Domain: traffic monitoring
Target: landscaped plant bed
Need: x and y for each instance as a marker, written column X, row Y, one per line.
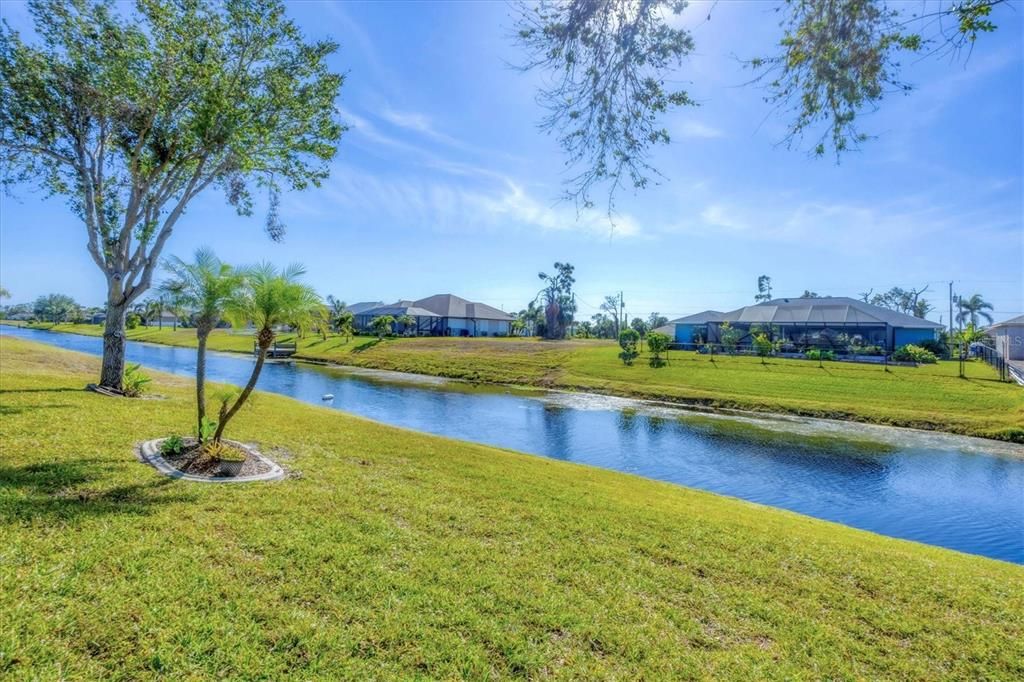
column 191, row 464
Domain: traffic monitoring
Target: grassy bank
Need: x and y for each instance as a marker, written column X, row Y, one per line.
column 929, row 396
column 392, row 554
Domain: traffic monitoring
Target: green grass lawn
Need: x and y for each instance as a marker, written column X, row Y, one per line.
column 392, row 554
column 929, row 396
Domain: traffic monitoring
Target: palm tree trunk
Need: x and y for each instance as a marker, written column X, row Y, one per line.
column 202, row 335
column 266, row 338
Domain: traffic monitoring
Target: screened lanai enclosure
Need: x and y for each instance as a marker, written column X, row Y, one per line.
column 800, row 324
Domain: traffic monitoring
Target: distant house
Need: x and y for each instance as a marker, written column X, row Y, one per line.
column 98, row 318
column 808, row 322
column 166, row 317
column 441, row 315
column 1008, row 337
column 360, row 308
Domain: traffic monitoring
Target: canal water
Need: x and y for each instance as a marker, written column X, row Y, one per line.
column 961, row 493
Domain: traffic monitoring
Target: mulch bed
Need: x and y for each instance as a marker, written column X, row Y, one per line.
column 192, row 461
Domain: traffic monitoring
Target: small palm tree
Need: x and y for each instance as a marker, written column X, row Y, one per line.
column 269, row 299
column 973, row 308
column 408, row 323
column 206, row 284
column 971, row 334
column 382, row 325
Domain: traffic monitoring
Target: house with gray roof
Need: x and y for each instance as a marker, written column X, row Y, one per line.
column 441, row 315
column 826, row 322
column 1008, row 337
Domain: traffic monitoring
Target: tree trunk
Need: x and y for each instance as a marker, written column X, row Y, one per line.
column 112, row 374
column 266, row 338
column 202, row 335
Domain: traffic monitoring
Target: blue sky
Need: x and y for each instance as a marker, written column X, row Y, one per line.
column 444, row 183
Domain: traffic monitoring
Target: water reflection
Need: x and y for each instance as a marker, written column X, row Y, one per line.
column 923, row 488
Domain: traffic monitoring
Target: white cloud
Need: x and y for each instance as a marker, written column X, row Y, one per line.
column 434, row 205
column 698, row 130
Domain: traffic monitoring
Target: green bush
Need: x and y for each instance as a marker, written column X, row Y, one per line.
column 172, row 445
column 132, row 321
column 940, row 349
column 912, row 353
column 134, row 382
column 657, row 343
column 819, row 354
column 628, row 340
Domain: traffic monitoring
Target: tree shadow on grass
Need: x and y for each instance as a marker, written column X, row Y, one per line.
column 78, row 488
column 366, row 346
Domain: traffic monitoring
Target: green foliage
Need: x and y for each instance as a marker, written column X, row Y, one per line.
column 207, row 427
column 973, row 309
column 640, row 326
column 132, row 321
column 729, row 336
column 763, row 345
column 560, row 304
column 131, row 113
column 172, row 445
column 382, row 325
column 819, row 354
column 914, row 353
column 55, row 308
column 205, row 285
column 657, row 343
column 970, row 334
column 609, row 61
column 135, row 380
column 656, row 320
column 629, row 340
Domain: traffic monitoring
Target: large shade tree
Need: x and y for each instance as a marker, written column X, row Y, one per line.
column 206, row 285
column 130, row 115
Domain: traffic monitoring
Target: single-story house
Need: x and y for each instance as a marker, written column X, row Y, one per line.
column 423, row 323
column 362, row 307
column 1008, row 337
column 827, row 322
column 165, row 318
column 442, row 315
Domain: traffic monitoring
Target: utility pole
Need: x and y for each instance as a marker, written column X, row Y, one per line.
column 951, row 311
column 622, row 313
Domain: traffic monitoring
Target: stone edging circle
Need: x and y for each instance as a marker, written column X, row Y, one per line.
column 149, row 452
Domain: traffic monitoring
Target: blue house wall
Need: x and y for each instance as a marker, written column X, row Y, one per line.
column 684, row 333
column 902, row 337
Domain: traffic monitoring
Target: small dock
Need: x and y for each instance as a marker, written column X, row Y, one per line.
column 278, row 350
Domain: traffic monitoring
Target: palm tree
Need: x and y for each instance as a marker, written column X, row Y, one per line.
column 269, row 299
column 382, row 325
column 408, row 323
column 205, row 284
column 153, row 308
column 971, row 334
column 973, row 308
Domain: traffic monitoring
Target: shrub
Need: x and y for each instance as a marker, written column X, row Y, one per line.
column 134, row 382
column 939, row 348
column 132, row 321
column 657, row 343
column 207, row 428
column 223, row 452
column 628, row 340
column 172, row 445
column 912, row 353
column 819, row 354
column 763, row 345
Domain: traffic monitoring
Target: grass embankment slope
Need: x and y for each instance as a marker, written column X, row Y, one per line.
column 393, row 554
column 928, row 397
